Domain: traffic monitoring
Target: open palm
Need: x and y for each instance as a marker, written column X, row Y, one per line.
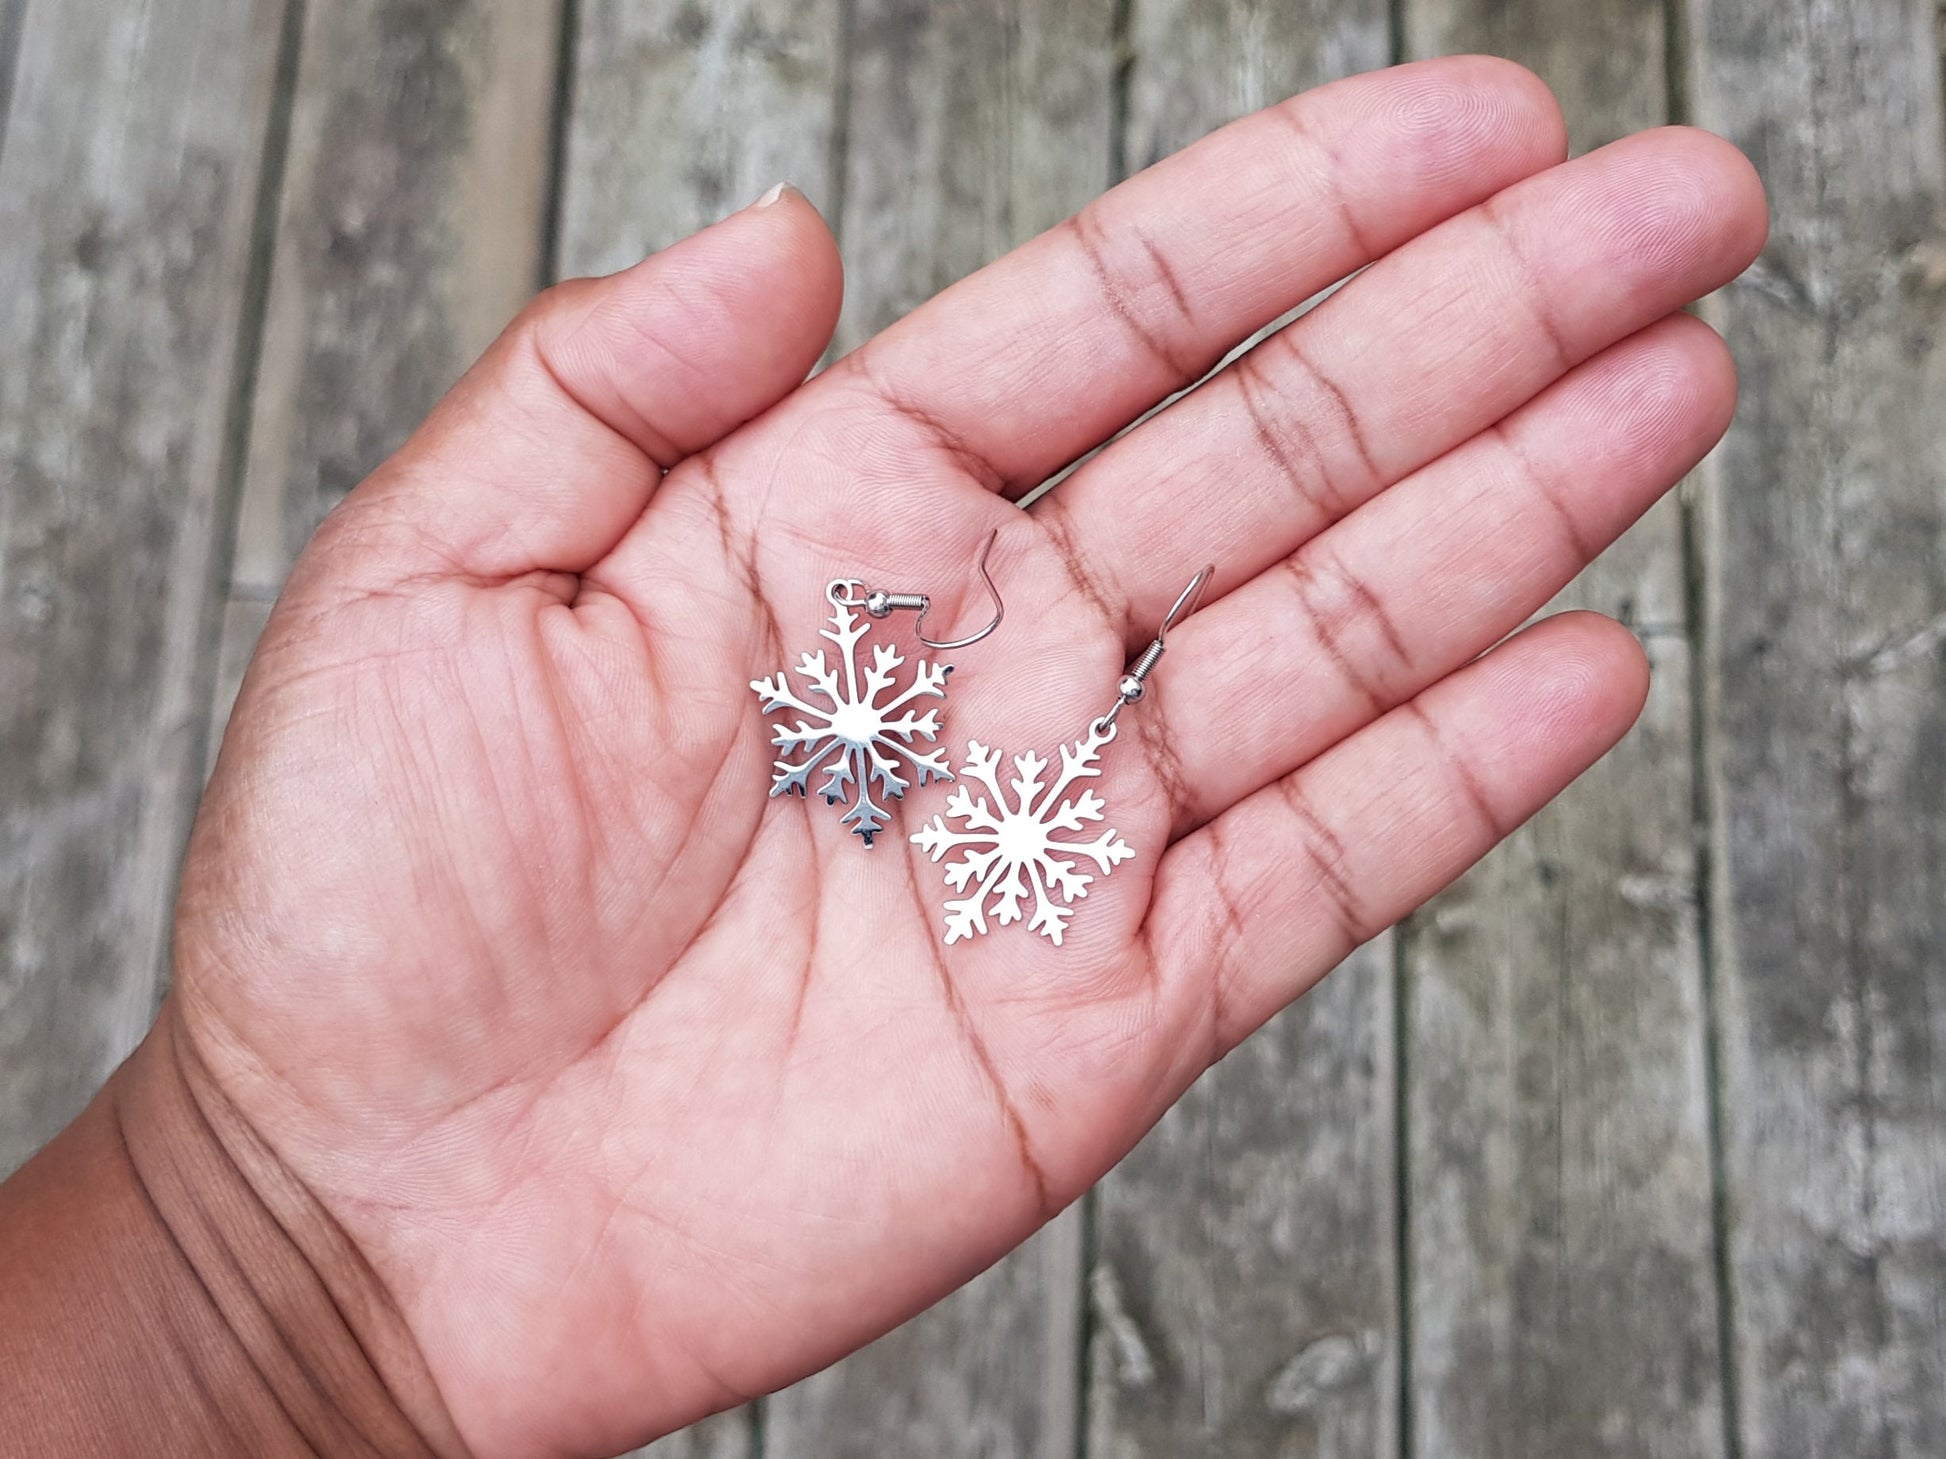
column 642, row 1091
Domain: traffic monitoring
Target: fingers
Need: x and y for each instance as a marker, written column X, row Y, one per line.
column 1251, row 910
column 1032, row 361
column 1427, row 347
column 1446, row 563
column 541, row 458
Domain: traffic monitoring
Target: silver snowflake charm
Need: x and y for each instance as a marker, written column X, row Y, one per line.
column 1012, row 851
column 856, row 740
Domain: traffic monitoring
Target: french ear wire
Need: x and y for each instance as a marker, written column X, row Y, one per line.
column 882, row 604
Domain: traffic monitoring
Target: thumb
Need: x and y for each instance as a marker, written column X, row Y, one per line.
column 551, row 446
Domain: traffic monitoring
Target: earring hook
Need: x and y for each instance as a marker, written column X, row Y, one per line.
column 879, row 603
column 999, row 606
column 1135, row 681
column 1187, row 602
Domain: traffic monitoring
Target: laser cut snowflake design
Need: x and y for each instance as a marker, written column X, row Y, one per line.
column 856, row 741
column 1012, row 850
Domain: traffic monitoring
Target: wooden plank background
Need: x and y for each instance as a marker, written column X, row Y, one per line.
column 1634, row 1143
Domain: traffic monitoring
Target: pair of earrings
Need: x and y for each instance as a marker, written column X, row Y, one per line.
column 1017, row 863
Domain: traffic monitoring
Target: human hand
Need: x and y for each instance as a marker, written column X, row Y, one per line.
column 641, row 1092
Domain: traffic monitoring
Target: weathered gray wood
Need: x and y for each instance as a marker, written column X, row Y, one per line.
column 1562, row 1290
column 1558, row 1191
column 128, row 195
column 13, row 15
column 1195, row 64
column 730, row 1435
column 1243, row 1291
column 683, row 112
column 409, row 230
column 970, row 127
column 1827, row 600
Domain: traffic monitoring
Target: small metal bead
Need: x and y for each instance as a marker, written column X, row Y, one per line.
column 1131, row 688
column 878, row 603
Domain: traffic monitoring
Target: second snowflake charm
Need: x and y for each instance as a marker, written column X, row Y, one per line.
column 1011, row 849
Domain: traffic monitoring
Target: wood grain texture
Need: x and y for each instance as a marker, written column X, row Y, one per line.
column 1826, row 582
column 972, row 126
column 969, row 127
column 13, row 16
column 1193, row 65
column 410, row 229
column 1558, row 1191
column 129, row 192
column 1243, row 1290
column 686, row 111
column 730, row 1435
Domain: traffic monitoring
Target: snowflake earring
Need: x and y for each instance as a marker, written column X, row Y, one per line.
column 1011, row 848
column 852, row 737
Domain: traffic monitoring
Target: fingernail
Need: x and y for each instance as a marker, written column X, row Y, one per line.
column 773, row 195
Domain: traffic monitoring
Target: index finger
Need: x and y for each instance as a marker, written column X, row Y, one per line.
column 1039, row 357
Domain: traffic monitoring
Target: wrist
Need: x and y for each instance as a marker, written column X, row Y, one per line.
column 170, row 1288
